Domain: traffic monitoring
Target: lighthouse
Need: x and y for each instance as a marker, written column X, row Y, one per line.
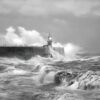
column 48, row 46
column 49, row 42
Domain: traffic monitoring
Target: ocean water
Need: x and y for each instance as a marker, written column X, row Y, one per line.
column 34, row 79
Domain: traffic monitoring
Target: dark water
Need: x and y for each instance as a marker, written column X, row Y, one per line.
column 25, row 79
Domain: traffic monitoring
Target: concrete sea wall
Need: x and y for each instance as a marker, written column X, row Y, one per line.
column 23, row 52
column 28, row 52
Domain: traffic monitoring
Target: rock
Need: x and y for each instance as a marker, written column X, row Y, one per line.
column 63, row 76
column 89, row 81
column 59, row 77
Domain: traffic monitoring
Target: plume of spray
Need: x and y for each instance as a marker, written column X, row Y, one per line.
column 56, row 55
column 31, row 37
column 72, row 51
column 23, row 37
column 12, row 38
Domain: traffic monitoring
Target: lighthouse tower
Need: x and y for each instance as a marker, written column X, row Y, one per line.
column 48, row 46
column 49, row 42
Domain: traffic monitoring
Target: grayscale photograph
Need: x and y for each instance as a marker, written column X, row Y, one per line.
column 49, row 49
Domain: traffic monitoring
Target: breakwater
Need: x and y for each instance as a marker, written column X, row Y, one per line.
column 24, row 52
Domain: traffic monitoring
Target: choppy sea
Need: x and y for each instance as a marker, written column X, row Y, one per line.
column 33, row 79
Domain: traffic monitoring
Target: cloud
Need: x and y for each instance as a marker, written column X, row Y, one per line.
column 61, row 21
column 97, row 12
column 51, row 7
column 78, row 7
column 23, row 37
column 4, row 10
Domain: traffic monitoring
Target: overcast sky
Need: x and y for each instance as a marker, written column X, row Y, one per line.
column 74, row 21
